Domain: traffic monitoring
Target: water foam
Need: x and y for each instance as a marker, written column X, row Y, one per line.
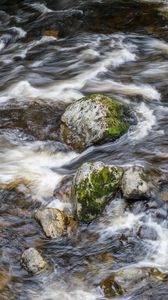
column 20, row 32
column 158, row 255
column 146, row 120
column 42, row 8
column 34, row 168
column 56, row 291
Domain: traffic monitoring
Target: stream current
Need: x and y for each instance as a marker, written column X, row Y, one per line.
column 51, row 54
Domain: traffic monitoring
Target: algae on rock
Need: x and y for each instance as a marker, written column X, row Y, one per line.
column 93, row 186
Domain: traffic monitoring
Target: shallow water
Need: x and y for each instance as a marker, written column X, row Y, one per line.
column 50, row 55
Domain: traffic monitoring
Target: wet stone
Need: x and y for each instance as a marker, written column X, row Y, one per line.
column 37, row 118
column 146, row 232
column 32, row 261
column 55, row 223
column 161, row 213
column 135, row 184
column 123, row 281
column 110, row 287
column 137, row 207
column 63, row 191
column 5, row 277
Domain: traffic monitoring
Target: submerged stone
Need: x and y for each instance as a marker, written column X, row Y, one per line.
column 5, row 277
column 110, row 287
column 32, row 261
column 93, row 186
column 135, row 183
column 124, row 281
column 130, row 280
column 55, row 223
column 93, row 119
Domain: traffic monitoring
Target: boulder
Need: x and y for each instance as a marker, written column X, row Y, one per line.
column 93, row 119
column 93, row 186
column 135, row 183
column 32, row 261
column 55, row 223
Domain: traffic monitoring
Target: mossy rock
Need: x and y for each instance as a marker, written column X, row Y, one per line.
column 93, row 119
column 93, row 186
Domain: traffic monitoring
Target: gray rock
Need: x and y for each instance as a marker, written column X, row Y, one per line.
column 93, row 119
column 93, row 186
column 146, row 232
column 55, row 222
column 32, row 261
column 135, row 183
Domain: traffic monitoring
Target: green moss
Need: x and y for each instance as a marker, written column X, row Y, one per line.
column 116, row 126
column 95, row 191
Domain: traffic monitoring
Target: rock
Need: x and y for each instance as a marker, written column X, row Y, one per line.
column 110, row 287
column 130, row 279
column 93, row 119
column 158, row 274
column 125, row 280
column 93, row 186
column 135, row 183
column 5, row 277
column 71, row 225
column 63, row 191
column 55, row 222
column 37, row 118
column 146, row 232
column 32, row 261
column 52, row 33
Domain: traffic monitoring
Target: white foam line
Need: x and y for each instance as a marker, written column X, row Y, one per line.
column 68, row 89
column 146, row 120
column 42, row 8
column 2, row 45
column 21, row 33
column 147, row 91
column 34, row 167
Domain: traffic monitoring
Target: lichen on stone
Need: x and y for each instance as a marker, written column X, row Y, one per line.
column 93, row 186
column 93, row 119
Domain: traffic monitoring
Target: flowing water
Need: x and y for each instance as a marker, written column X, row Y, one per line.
column 52, row 53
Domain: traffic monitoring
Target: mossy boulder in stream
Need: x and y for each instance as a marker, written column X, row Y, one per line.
column 93, row 186
column 93, row 119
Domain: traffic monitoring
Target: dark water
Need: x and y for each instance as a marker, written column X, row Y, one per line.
column 52, row 53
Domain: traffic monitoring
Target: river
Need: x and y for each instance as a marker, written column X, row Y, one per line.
column 51, row 54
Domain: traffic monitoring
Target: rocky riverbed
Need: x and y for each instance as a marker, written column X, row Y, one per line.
column 83, row 150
